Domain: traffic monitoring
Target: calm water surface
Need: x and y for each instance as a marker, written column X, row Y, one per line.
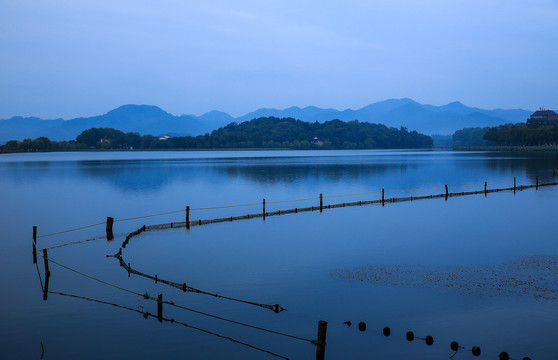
column 288, row 260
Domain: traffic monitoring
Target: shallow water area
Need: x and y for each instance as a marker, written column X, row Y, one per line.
column 287, row 260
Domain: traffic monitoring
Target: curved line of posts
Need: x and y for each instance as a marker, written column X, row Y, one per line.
column 147, row 315
column 185, row 288
column 429, row 340
column 188, row 223
column 312, row 208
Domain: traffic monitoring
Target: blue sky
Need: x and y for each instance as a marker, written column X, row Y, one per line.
column 69, row 58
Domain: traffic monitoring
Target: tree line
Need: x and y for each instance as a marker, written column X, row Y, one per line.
column 266, row 132
column 507, row 135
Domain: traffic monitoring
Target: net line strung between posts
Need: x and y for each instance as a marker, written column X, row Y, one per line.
column 171, row 303
column 146, row 314
column 275, row 308
column 270, row 202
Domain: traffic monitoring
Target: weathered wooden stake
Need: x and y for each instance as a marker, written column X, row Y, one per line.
column 45, row 289
column 514, row 185
column 263, row 209
column 321, row 202
column 45, row 258
column 383, row 193
column 447, row 193
column 160, row 307
column 110, row 235
column 155, row 278
column 187, row 217
column 321, row 341
column 34, row 244
column 537, row 186
column 485, row 185
column 129, row 269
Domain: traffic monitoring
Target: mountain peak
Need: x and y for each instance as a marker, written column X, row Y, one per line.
column 133, row 109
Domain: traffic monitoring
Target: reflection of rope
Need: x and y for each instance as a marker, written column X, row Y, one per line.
column 146, row 315
column 147, row 296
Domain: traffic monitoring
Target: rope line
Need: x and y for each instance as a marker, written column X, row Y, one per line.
column 147, row 296
column 364, row 193
column 148, row 216
column 225, row 206
column 276, row 308
column 147, row 314
column 274, row 202
column 67, row 231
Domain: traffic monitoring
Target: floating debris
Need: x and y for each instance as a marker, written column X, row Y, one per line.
column 528, row 276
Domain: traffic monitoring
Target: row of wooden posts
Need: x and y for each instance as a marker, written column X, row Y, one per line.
column 264, row 213
column 321, row 207
column 322, row 325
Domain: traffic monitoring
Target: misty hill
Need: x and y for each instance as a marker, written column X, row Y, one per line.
column 427, row 119
column 145, row 119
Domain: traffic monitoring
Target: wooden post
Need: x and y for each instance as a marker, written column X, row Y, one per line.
column 383, row 192
column 485, row 184
column 514, row 185
column 321, row 341
column 321, row 202
column 447, row 193
column 537, row 186
column 187, row 217
column 129, row 269
column 263, row 209
column 160, row 307
column 34, row 244
column 45, row 289
column 45, row 258
column 110, row 235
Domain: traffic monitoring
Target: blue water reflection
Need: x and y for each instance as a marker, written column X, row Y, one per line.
column 287, row 260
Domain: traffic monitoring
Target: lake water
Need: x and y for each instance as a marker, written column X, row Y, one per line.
column 478, row 270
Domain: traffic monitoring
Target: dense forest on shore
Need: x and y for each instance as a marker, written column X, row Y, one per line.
column 516, row 135
column 267, row 132
column 522, row 135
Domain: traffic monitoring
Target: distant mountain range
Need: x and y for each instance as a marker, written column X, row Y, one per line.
column 152, row 120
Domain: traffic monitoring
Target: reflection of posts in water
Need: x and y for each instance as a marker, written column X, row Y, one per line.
column 185, row 288
column 110, row 235
column 147, row 315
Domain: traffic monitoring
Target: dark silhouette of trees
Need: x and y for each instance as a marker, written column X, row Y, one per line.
column 266, row 132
